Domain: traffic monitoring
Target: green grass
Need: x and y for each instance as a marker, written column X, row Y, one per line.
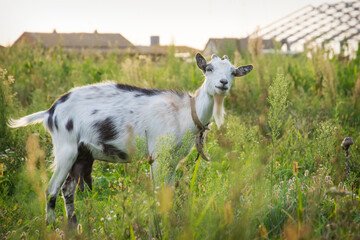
column 289, row 109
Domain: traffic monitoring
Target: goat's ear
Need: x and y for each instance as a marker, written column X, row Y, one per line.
column 242, row 71
column 201, row 62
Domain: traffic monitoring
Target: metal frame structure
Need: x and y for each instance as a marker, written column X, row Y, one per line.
column 323, row 24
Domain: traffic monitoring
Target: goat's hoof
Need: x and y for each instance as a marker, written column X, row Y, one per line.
column 72, row 222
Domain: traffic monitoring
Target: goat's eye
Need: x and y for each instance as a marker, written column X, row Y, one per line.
column 209, row 69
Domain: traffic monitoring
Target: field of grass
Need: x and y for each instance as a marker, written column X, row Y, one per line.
column 277, row 168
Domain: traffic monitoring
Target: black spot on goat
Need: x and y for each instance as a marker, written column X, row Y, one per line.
column 94, row 111
column 107, row 129
column 55, row 122
column 51, row 110
column 69, row 125
column 141, row 91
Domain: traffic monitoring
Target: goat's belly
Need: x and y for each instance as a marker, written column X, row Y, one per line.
column 110, row 154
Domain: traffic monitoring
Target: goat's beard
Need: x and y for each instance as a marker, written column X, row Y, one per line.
column 218, row 111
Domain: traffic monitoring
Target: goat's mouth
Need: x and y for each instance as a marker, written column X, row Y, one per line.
column 222, row 88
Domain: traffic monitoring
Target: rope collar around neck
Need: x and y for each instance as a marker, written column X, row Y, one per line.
column 200, row 136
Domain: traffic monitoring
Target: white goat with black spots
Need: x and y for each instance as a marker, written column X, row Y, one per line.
column 99, row 121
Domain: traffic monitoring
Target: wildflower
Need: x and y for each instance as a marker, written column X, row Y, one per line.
column 347, row 143
column 108, row 217
column 295, row 168
column 306, row 173
column 94, row 230
column 101, row 219
column 328, row 180
column 11, row 79
column 79, row 229
column 340, row 185
column 111, row 211
column 263, row 232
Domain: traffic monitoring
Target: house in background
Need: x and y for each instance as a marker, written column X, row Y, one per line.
column 101, row 42
column 222, row 45
column 77, row 42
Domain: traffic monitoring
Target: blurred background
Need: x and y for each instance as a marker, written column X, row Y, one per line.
column 182, row 23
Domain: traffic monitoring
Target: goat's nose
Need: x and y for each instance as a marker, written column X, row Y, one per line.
column 224, row 81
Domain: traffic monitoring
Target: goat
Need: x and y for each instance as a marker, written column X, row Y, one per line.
column 98, row 121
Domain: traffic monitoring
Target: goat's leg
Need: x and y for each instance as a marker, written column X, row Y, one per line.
column 68, row 191
column 64, row 158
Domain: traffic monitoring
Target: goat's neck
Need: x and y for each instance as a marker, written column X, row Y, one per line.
column 204, row 105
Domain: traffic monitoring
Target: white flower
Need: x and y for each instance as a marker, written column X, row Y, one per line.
column 102, row 219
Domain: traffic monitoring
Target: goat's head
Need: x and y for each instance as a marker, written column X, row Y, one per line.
column 219, row 73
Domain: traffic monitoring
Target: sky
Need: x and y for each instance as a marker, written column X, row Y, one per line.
column 181, row 22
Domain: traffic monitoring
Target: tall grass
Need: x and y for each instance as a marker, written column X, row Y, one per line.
column 276, row 171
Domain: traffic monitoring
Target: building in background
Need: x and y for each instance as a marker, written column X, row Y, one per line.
column 333, row 26
column 77, row 42
column 101, row 42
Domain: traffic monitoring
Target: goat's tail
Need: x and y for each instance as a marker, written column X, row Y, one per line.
column 27, row 120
